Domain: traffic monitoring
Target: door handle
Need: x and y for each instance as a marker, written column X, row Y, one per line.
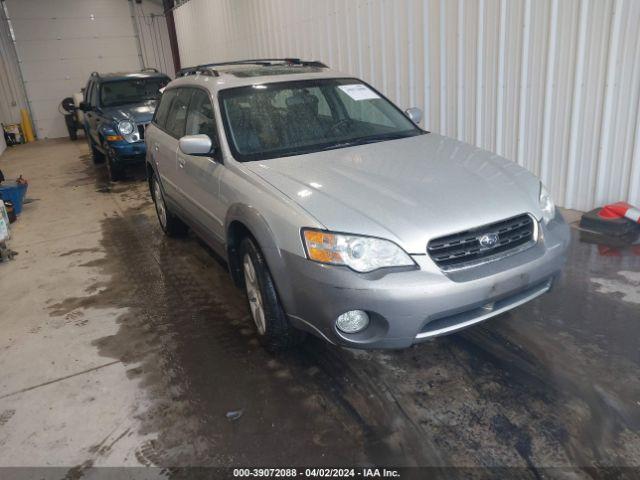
column 181, row 162
column 156, row 147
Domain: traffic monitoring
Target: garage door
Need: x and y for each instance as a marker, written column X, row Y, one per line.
column 60, row 43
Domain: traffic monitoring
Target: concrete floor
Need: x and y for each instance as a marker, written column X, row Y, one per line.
column 120, row 347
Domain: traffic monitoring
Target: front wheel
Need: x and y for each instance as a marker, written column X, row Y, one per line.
column 274, row 330
column 96, row 155
column 116, row 172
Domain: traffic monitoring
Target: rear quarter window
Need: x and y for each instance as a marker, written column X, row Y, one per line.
column 177, row 116
column 160, row 117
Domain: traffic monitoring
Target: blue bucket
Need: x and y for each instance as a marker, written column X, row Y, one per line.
column 14, row 193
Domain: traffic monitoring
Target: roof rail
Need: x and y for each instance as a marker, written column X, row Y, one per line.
column 199, row 70
column 150, row 69
column 208, row 68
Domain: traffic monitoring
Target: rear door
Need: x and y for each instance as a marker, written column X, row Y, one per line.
column 166, row 140
column 158, row 143
column 199, row 176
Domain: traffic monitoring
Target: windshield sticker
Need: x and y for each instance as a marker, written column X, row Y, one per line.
column 359, row 92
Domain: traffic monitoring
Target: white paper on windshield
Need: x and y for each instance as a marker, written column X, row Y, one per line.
column 359, row 92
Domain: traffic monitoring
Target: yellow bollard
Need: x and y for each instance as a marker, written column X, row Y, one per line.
column 26, row 126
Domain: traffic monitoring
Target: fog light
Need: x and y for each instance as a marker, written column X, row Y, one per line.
column 353, row 321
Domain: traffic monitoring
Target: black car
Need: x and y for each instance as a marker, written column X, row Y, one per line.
column 117, row 108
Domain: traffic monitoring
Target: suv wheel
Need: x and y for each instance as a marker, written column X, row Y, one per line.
column 116, row 172
column 96, row 155
column 171, row 225
column 274, row 330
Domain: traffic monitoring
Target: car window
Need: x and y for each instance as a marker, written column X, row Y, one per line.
column 87, row 92
column 121, row 92
column 284, row 98
column 200, row 119
column 177, row 117
column 299, row 117
column 370, row 112
column 162, row 111
column 94, row 94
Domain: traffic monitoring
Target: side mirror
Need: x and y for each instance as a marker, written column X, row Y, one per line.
column 84, row 106
column 414, row 114
column 198, row 145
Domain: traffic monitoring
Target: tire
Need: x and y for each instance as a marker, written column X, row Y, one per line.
column 171, row 225
column 116, row 173
column 71, row 126
column 274, row 330
column 96, row 155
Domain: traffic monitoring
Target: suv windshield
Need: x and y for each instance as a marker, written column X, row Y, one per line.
column 121, row 92
column 294, row 118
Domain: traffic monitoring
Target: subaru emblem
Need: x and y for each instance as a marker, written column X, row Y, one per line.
column 488, row 240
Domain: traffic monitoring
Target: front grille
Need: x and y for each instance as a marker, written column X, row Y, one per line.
column 141, row 129
column 486, row 243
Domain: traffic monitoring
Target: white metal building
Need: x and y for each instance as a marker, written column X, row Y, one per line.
column 59, row 43
column 551, row 84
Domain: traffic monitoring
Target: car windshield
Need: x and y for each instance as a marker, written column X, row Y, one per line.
column 294, row 118
column 121, row 92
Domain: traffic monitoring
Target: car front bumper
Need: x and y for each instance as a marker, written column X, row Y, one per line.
column 409, row 306
column 124, row 153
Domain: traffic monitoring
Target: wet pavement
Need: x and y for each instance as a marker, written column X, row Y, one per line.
column 552, row 387
column 554, row 383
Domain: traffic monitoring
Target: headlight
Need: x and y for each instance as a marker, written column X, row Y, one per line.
column 546, row 204
column 125, row 127
column 362, row 254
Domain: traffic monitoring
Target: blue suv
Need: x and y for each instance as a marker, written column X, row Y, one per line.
column 117, row 108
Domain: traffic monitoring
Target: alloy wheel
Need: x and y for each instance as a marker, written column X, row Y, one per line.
column 254, row 295
column 161, row 209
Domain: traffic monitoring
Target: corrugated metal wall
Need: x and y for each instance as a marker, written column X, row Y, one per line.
column 59, row 43
column 551, row 84
column 151, row 26
column 12, row 93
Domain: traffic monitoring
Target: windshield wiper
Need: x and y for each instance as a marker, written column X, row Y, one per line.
column 335, row 146
column 346, row 144
column 367, row 140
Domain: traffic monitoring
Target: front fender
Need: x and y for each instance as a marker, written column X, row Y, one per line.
column 261, row 231
column 107, row 128
column 254, row 221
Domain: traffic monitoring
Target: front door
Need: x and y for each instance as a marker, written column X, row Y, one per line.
column 199, row 176
column 92, row 116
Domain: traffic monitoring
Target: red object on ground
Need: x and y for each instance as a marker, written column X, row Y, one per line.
column 620, row 210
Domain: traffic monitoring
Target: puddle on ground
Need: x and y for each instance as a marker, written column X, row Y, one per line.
column 552, row 384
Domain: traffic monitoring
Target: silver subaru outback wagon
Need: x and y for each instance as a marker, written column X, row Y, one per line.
column 338, row 214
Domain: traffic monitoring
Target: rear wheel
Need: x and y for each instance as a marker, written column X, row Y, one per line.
column 171, row 225
column 274, row 330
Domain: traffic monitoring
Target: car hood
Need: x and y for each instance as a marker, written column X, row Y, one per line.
column 409, row 190
column 141, row 112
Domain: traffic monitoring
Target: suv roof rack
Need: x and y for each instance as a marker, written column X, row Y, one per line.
column 208, row 68
column 150, row 69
